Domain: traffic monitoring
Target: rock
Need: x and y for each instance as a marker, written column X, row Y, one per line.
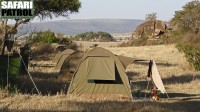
column 147, row 29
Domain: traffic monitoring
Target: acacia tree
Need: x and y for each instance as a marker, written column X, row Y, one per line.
column 43, row 9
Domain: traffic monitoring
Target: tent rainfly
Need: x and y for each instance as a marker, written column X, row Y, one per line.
column 61, row 57
column 67, row 62
column 101, row 74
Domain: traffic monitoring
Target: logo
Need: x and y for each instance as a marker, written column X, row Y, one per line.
column 18, row 9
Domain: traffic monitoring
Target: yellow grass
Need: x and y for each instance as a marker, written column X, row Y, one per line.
column 181, row 82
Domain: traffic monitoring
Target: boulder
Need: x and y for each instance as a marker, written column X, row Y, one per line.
column 152, row 29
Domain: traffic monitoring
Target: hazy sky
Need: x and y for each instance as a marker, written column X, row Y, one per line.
column 128, row 9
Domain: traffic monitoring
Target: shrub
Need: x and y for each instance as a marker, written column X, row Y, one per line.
column 73, row 46
column 41, row 51
column 190, row 46
column 187, row 24
column 49, row 37
column 64, row 41
column 95, row 36
column 43, row 37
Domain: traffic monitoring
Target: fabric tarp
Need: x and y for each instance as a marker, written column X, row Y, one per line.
column 100, row 68
column 157, row 79
column 125, row 60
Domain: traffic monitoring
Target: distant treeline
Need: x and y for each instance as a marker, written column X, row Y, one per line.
column 94, row 36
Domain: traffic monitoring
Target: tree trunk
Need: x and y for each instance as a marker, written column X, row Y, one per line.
column 5, row 35
column 154, row 28
column 4, row 44
column 3, row 48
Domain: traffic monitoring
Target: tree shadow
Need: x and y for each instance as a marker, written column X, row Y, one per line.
column 43, row 75
column 142, row 89
column 185, row 78
column 122, row 106
column 132, row 75
column 47, row 84
column 146, row 63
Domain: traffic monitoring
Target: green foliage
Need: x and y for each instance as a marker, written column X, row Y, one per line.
column 188, row 19
column 187, row 22
column 44, row 37
column 48, row 37
column 187, row 34
column 95, row 36
column 65, row 41
column 50, row 8
column 190, row 46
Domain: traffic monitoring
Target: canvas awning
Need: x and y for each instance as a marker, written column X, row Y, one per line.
column 157, row 79
column 125, row 60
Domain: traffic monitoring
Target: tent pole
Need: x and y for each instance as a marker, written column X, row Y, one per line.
column 29, row 75
column 167, row 95
column 8, row 69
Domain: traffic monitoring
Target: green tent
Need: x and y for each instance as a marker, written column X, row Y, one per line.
column 67, row 62
column 101, row 74
column 70, row 64
column 61, row 57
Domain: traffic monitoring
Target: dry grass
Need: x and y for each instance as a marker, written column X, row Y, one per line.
column 182, row 84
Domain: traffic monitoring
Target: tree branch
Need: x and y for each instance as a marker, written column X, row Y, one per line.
column 18, row 22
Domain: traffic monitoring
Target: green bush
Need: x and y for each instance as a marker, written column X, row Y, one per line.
column 43, row 37
column 187, row 25
column 190, row 46
column 94, row 36
column 65, row 41
column 49, row 37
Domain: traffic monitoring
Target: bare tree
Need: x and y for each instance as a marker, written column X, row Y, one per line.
column 152, row 17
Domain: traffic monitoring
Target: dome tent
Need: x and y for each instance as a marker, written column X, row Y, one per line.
column 100, row 73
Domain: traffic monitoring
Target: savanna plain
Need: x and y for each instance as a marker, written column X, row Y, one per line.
column 180, row 80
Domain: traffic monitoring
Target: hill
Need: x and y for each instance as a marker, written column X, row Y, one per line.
column 72, row 27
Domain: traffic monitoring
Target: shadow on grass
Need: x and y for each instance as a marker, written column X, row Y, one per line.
column 122, row 106
column 43, row 75
column 139, row 90
column 185, row 78
column 47, row 83
column 132, row 75
column 146, row 63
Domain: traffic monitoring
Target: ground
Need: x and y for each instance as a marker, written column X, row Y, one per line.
column 181, row 82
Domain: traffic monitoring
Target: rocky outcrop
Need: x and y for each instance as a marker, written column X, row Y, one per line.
column 151, row 29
